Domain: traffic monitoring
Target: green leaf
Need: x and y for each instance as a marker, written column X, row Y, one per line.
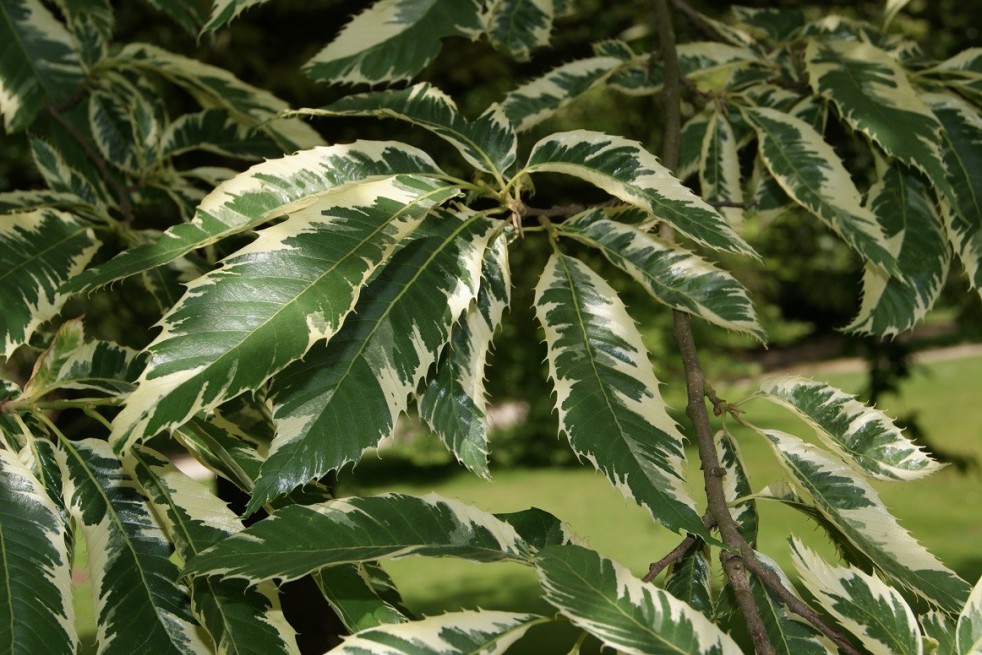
column 223, row 453
column 453, row 402
column 215, row 87
column 241, row 619
column 62, row 177
column 968, row 630
column 875, row 613
column 916, row 235
column 611, row 603
column 37, row 62
column 214, row 130
column 479, row 632
column 189, row 15
column 670, row 273
column 537, row 100
column 394, row 40
column 961, row 142
column 124, row 130
column 789, row 635
column 487, row 143
column 811, row 173
column 71, row 362
column 874, row 97
column 690, row 145
column 539, row 528
column 851, row 504
column 607, row 395
column 299, row 539
column 518, row 26
column 863, row 434
column 378, row 359
column 253, row 197
column 40, row 250
column 35, row 567
column 91, row 24
column 357, row 594
column 690, row 578
column 940, row 627
column 224, row 12
column 624, row 169
column 779, row 24
column 736, row 486
column 293, row 286
column 719, row 170
column 139, row 606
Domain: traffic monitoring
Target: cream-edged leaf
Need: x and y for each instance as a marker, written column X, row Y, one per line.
column 863, row 434
column 394, row 40
column 607, row 395
column 940, row 628
column 670, row 273
column 850, row 503
column 453, row 402
column 607, row 600
column 789, row 633
column 64, row 177
column 292, row 287
column 861, row 603
column 361, row 594
column 216, row 131
column 224, row 12
column 624, row 169
column 719, row 169
column 225, row 454
column 690, row 144
column 35, row 567
column 690, row 578
column 736, row 486
column 519, row 26
column 250, row 198
column 811, row 173
column 299, row 539
column 968, row 630
column 378, row 359
column 40, row 251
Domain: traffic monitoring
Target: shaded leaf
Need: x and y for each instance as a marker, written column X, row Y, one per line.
column 690, row 579
column 214, row 130
column 519, row 26
column 91, row 24
column 789, row 634
column 736, row 486
column 357, row 594
column 224, row 12
column 539, row 528
column 719, row 170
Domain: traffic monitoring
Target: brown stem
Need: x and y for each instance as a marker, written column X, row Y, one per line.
column 674, row 555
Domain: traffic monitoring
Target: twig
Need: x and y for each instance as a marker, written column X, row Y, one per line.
column 675, row 554
column 746, row 204
column 697, row 20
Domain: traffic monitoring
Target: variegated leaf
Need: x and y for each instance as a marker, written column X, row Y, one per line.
column 789, row 633
column 968, row 630
column 378, row 359
column 190, row 16
column 940, row 628
column 299, row 539
column 62, row 177
column 891, row 9
column 779, row 24
column 35, row 567
column 812, row 174
column 874, row 97
column 225, row 454
column 224, row 12
column 624, row 169
column 851, row 504
column 265, row 190
column 453, row 402
column 37, row 62
column 71, row 362
column 393, row 40
column 40, row 250
column 293, row 287
column 487, row 143
column 216, row 87
column 124, row 129
column 611, row 603
column 863, row 434
column 91, row 24
column 862, row 604
column 15, row 435
column 360, row 595
column 22, row 201
column 39, row 456
column 690, row 145
column 690, row 578
column 241, row 619
column 518, row 26
column 736, row 486
column 537, row 100
column 670, row 273
column 539, row 528
column 473, row 632
column 139, row 606
column 214, row 130
column 962, row 145
column 607, row 395
column 719, row 169
column 916, row 235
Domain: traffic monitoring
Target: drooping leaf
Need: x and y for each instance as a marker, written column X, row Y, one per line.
column 538, row 99
column 40, row 458
column 91, row 24
column 453, row 402
column 690, row 144
column 940, row 627
column 224, row 12
column 607, row 395
column 225, row 454
column 875, row 613
column 293, row 286
column 812, row 174
column 250, row 198
column 35, row 567
column 719, row 170
column 299, row 539
column 851, row 504
column 378, row 359
column 690, row 579
column 214, row 130
column 40, row 251
column 393, row 40
column 480, row 632
column 519, row 26
column 123, row 129
column 37, row 62
column 917, row 238
column 134, row 581
column 961, row 73
column 241, row 619
column 357, row 594
column 670, row 273
column 608, row 601
column 188, row 15
column 624, row 169
column 861, row 433
column 736, row 486
column 539, row 528
column 62, row 177
column 962, row 147
column 488, row 143
column 968, row 630
column 874, row 97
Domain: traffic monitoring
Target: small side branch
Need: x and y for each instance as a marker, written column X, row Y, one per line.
column 673, row 556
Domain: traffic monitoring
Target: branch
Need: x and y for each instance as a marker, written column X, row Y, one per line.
column 674, row 555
